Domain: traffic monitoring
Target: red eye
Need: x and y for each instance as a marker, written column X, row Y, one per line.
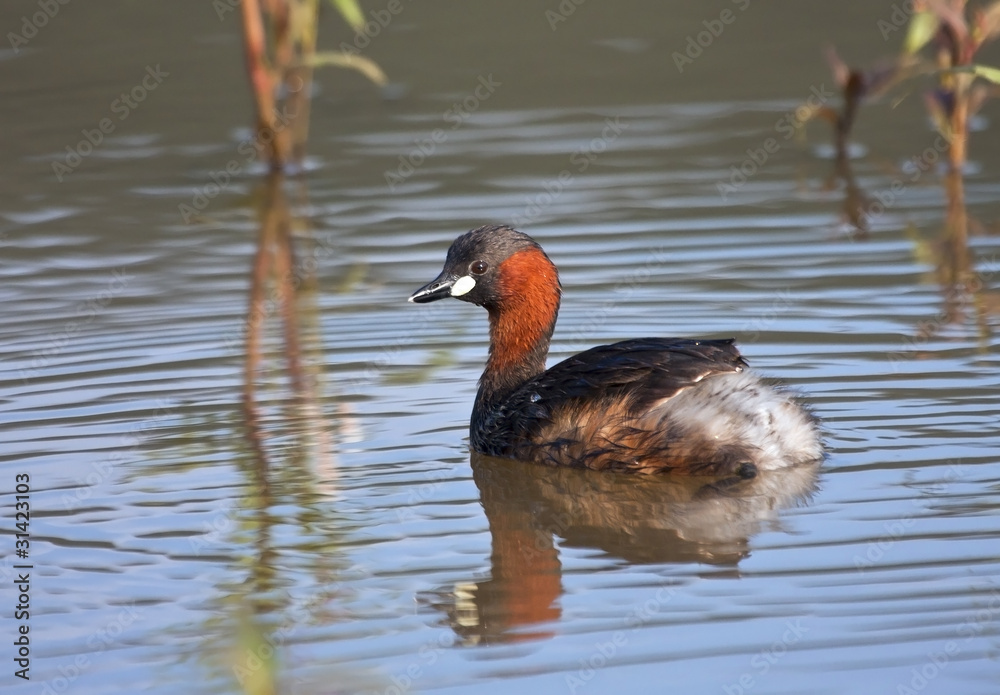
column 479, row 267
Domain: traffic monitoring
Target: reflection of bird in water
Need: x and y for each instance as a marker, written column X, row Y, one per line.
column 646, row 519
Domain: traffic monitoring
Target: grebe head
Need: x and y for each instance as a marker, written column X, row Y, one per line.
column 498, row 268
column 506, row 272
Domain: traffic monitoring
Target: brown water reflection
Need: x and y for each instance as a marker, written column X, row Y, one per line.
column 963, row 278
column 966, row 296
column 533, row 510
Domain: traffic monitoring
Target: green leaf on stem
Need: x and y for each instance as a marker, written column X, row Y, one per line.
column 923, row 26
column 343, row 59
column 987, row 72
column 350, row 10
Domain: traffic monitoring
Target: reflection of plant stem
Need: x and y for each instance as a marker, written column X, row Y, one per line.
column 273, row 259
column 256, row 314
column 262, row 679
column 963, row 288
column 275, row 263
column 856, row 202
column 955, row 268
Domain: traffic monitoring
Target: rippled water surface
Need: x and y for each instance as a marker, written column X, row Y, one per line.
column 229, row 501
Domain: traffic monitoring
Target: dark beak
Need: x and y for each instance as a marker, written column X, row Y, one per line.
column 438, row 288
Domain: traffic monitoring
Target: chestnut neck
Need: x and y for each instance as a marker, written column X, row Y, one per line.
column 521, row 323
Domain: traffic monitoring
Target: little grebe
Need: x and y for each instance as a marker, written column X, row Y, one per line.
column 646, row 405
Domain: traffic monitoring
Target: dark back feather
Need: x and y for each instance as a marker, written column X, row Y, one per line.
column 620, row 380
